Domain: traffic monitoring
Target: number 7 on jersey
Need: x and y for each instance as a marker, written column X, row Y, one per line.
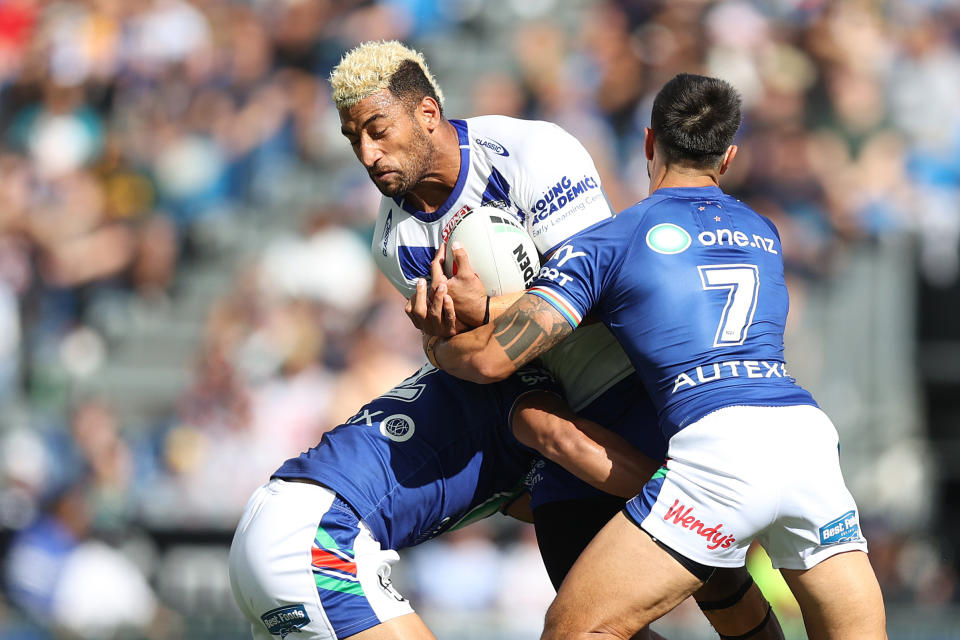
column 741, row 283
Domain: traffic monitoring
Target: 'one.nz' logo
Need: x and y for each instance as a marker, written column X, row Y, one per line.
column 285, row 620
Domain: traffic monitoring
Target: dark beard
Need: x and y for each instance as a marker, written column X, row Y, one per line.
column 422, row 155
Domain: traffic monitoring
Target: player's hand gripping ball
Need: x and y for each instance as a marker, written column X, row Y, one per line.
column 499, row 250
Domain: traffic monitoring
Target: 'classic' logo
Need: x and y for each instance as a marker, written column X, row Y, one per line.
column 496, row 147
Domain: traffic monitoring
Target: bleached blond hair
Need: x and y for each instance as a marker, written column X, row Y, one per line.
column 369, row 68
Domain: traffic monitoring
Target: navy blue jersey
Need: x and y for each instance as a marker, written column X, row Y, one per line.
column 623, row 409
column 420, row 457
column 690, row 281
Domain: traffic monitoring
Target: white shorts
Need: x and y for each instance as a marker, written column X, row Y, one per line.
column 743, row 473
column 302, row 561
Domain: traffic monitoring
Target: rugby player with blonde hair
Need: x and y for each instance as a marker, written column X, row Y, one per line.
column 432, row 172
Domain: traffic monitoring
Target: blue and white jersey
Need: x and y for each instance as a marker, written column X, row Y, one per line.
column 420, row 457
column 690, row 281
column 533, row 170
column 544, row 178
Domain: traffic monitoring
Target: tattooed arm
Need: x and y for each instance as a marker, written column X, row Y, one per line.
column 527, row 329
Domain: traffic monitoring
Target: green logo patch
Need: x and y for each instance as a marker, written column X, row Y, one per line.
column 668, row 238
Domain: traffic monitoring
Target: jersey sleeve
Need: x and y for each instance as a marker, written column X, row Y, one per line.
column 571, row 281
column 559, row 188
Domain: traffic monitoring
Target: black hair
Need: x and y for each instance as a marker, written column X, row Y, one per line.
column 695, row 119
column 410, row 85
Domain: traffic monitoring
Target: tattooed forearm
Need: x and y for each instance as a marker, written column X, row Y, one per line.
column 529, row 328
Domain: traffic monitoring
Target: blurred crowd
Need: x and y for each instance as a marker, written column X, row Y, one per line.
column 136, row 136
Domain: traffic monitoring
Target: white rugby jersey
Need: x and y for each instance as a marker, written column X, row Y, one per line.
column 543, row 177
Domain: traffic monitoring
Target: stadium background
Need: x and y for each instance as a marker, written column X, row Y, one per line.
column 186, row 297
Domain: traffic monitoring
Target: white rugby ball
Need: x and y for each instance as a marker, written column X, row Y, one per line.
column 501, row 252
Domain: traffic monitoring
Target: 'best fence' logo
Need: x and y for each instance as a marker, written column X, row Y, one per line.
column 844, row 529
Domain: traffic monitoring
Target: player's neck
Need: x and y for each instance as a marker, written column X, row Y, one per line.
column 437, row 185
column 672, row 177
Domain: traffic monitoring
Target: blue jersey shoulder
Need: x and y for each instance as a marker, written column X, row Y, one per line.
column 414, row 461
column 691, row 282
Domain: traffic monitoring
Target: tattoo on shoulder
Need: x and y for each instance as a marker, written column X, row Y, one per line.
column 529, row 328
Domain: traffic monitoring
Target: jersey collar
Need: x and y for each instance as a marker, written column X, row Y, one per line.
column 464, row 138
column 689, row 192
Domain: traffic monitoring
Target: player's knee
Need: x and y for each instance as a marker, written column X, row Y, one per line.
column 554, row 624
column 725, row 587
column 736, row 608
column 562, row 625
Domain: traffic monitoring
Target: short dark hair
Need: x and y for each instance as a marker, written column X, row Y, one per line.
column 695, row 119
column 410, row 85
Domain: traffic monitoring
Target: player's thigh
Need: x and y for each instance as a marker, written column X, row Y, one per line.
column 565, row 528
column 622, row 581
column 839, row 598
column 408, row 627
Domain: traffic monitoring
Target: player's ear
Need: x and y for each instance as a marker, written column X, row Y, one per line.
column 428, row 112
column 649, row 142
column 728, row 158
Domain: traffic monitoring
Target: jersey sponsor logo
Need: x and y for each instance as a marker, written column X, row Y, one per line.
column 559, row 258
column 524, row 264
column 560, row 195
column 534, row 476
column 668, row 239
column 452, row 223
column 846, row 528
column 554, row 275
column 729, row 238
column 386, row 232
column 398, row 427
column 730, row 369
column 570, row 213
column 565, row 254
column 408, row 390
column 285, row 620
column 366, row 417
column 683, row 516
column 503, row 205
column 496, row 147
